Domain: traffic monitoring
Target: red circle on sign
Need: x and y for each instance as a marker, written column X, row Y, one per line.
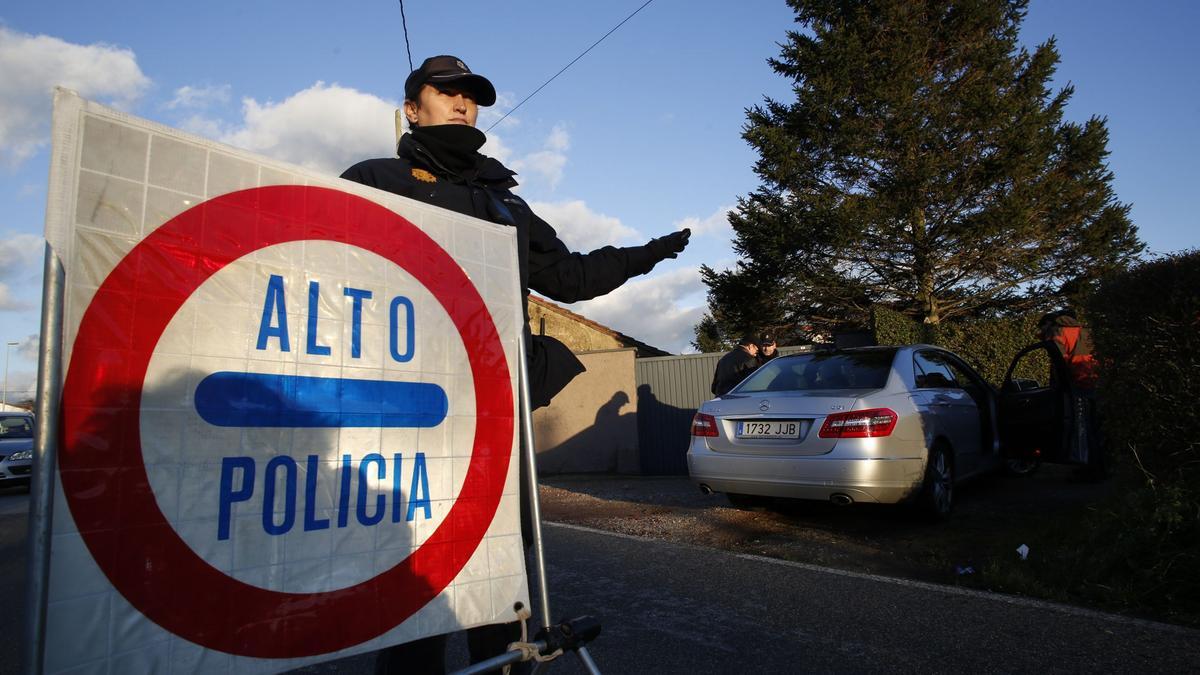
column 104, row 477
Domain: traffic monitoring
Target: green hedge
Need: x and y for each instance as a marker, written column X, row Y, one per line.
column 1147, row 334
column 988, row 345
column 1146, row 328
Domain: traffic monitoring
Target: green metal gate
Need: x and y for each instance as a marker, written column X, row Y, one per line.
column 670, row 389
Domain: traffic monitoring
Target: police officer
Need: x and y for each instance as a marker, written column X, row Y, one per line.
column 767, row 349
column 439, row 163
column 735, row 366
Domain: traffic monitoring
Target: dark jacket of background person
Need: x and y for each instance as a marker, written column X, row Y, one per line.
column 546, row 265
column 732, row 369
column 1075, row 343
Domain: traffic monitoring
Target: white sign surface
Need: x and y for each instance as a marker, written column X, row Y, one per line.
column 288, row 411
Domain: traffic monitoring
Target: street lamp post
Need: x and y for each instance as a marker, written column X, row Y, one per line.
column 7, row 347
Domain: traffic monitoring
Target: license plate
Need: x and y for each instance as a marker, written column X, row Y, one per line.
column 768, row 429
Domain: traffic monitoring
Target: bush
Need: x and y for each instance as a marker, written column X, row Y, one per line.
column 1146, row 328
column 989, row 345
column 1139, row 552
column 894, row 328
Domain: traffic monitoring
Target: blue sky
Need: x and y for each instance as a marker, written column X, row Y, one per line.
column 637, row 139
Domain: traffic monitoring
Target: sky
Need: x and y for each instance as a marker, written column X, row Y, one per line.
column 639, row 138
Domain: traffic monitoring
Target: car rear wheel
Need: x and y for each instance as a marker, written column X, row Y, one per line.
column 937, row 490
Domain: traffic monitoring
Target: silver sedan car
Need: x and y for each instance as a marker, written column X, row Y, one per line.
column 874, row 424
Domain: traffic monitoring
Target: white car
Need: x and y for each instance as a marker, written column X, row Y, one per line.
column 874, row 424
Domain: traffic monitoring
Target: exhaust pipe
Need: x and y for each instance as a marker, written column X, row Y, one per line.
column 705, row 489
column 840, row 499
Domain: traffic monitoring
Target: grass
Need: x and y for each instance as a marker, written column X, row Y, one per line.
column 1135, row 553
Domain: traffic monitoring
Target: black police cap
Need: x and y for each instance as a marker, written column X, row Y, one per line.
column 445, row 70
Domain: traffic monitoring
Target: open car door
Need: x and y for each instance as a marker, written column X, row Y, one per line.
column 1037, row 406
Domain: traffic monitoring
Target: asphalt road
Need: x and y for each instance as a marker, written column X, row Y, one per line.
column 14, row 521
column 674, row 608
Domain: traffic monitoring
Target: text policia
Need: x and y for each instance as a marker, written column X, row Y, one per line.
column 240, row 476
column 243, row 470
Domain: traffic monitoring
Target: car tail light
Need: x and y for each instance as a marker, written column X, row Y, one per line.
column 704, row 424
column 858, row 424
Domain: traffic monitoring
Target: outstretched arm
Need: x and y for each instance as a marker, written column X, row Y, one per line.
column 565, row 276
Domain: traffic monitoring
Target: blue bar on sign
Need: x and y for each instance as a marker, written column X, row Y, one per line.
column 231, row 399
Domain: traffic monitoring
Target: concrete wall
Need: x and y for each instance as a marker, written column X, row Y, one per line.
column 592, row 424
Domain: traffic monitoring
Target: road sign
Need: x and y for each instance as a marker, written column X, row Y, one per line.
column 288, row 414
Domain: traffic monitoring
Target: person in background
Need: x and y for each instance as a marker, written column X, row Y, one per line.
column 1074, row 342
column 767, row 349
column 439, row 163
column 735, row 366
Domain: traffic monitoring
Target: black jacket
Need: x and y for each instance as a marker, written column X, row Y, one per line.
column 546, row 265
column 732, row 369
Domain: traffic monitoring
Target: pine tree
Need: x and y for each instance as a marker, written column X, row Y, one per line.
column 924, row 164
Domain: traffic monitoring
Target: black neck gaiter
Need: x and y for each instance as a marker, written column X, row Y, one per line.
column 455, row 146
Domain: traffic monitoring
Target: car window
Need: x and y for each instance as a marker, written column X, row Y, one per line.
column 962, row 375
column 1033, row 371
column 932, row 372
column 16, row 427
column 835, row 370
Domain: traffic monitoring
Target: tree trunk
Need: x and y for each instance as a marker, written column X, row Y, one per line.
column 924, row 267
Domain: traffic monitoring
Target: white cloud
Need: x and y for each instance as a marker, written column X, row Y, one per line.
column 18, row 252
column 324, row 127
column 496, row 148
column 28, row 348
column 30, row 67
column 559, row 140
column 716, row 224
column 19, row 255
column 22, row 385
column 8, row 303
column 661, row 310
column 548, row 163
column 204, row 126
column 581, row 228
column 21, row 381
column 494, row 114
column 198, row 97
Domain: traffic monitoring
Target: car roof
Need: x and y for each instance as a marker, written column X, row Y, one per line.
column 872, row 348
column 848, row 350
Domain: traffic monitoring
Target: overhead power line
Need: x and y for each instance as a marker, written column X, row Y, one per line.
column 564, row 68
column 407, row 48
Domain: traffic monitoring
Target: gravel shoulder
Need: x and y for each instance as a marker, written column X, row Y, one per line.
column 992, row 517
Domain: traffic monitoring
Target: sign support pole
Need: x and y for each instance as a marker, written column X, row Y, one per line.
column 530, row 459
column 551, row 637
column 535, row 508
column 45, row 459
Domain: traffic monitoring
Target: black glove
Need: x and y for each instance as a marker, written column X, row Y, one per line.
column 671, row 245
